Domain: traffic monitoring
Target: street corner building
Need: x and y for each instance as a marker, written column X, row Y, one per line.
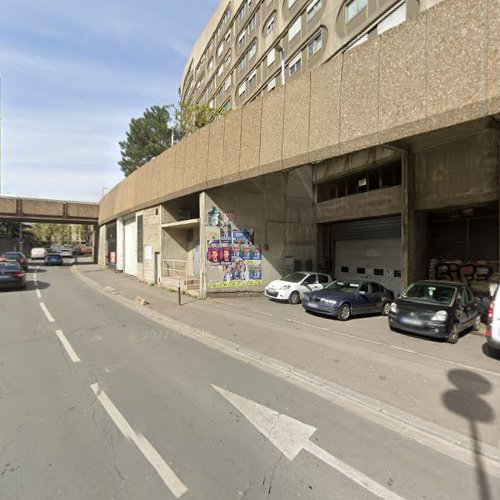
column 361, row 140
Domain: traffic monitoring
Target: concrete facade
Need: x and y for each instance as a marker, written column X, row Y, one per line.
column 404, row 127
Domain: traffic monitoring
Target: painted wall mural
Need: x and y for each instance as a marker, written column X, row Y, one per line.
column 478, row 274
column 233, row 257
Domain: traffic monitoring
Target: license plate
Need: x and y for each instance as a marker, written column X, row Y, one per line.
column 412, row 321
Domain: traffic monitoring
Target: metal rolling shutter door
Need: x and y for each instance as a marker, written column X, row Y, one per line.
column 369, row 249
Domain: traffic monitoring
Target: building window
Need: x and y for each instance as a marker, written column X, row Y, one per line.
column 251, row 24
column 220, row 70
column 344, row 269
column 241, row 39
column 211, row 64
column 227, row 84
column 252, row 78
column 220, row 49
column 227, row 106
column 252, row 51
column 313, row 8
column 271, row 57
column 227, row 61
column 243, row 63
column 140, row 239
column 227, row 39
column 353, row 8
column 271, row 85
column 241, row 13
column 290, row 3
column 270, row 25
column 295, row 29
column 211, row 104
column 241, row 89
column 210, row 45
column 315, row 45
column 295, row 64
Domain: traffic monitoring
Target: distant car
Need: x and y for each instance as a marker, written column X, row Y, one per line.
column 345, row 298
column 38, row 253
column 493, row 326
column 12, row 275
column 18, row 257
column 292, row 287
column 66, row 252
column 439, row 309
column 54, row 259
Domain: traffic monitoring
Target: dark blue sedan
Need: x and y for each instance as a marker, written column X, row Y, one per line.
column 345, row 298
column 54, row 259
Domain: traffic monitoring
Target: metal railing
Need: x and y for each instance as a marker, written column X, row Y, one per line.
column 172, row 268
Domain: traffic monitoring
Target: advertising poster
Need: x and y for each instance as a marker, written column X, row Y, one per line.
column 233, row 257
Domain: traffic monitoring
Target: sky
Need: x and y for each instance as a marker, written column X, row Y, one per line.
column 73, row 74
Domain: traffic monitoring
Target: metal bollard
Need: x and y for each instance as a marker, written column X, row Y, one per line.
column 179, row 292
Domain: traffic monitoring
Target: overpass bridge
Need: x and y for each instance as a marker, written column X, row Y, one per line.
column 19, row 209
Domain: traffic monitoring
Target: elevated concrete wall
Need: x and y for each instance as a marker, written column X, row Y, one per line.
column 439, row 69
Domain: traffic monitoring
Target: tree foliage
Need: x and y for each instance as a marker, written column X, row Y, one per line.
column 193, row 116
column 52, row 233
column 148, row 136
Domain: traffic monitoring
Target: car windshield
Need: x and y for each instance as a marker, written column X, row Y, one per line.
column 294, row 277
column 12, row 255
column 343, row 286
column 7, row 266
column 431, row 293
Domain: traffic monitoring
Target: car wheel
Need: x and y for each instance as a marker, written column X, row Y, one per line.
column 386, row 308
column 294, row 298
column 344, row 312
column 477, row 323
column 453, row 335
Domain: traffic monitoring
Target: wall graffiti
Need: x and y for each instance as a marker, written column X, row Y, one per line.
column 233, row 257
column 478, row 274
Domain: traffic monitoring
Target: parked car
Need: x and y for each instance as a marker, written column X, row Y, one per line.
column 345, row 298
column 439, row 309
column 18, row 257
column 12, row 275
column 292, row 287
column 54, row 259
column 493, row 325
column 66, row 252
column 38, row 253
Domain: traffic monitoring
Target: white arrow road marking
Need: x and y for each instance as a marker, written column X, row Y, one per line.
column 291, row 436
column 49, row 317
column 64, row 341
column 168, row 476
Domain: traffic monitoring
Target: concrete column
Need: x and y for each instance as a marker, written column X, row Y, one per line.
column 203, row 246
column 96, row 243
column 407, row 220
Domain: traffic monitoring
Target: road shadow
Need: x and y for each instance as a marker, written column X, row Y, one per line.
column 41, row 285
column 465, row 400
column 35, row 270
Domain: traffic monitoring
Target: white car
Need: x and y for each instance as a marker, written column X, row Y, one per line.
column 493, row 327
column 38, row 253
column 291, row 288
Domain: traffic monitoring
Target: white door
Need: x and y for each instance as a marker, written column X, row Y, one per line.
column 375, row 259
column 130, row 247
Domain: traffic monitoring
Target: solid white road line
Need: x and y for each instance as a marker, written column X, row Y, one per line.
column 47, row 313
column 64, row 341
column 38, row 293
column 168, row 476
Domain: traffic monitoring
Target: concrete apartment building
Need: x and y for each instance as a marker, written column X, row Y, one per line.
column 378, row 157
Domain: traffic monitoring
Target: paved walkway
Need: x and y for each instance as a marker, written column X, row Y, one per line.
column 363, row 355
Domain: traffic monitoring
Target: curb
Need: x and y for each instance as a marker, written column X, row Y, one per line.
column 455, row 445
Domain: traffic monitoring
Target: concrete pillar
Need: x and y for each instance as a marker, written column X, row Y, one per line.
column 95, row 250
column 408, row 244
column 203, row 246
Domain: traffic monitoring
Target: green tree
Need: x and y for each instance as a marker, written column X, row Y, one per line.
column 52, row 233
column 148, row 136
column 193, row 116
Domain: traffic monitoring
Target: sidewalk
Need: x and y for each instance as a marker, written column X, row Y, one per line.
column 361, row 355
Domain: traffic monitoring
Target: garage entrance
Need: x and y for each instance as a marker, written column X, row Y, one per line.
column 130, row 246
column 368, row 249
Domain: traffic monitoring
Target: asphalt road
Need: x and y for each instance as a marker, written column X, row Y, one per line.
column 98, row 402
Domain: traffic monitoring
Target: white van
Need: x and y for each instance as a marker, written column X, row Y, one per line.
column 493, row 328
column 38, row 253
